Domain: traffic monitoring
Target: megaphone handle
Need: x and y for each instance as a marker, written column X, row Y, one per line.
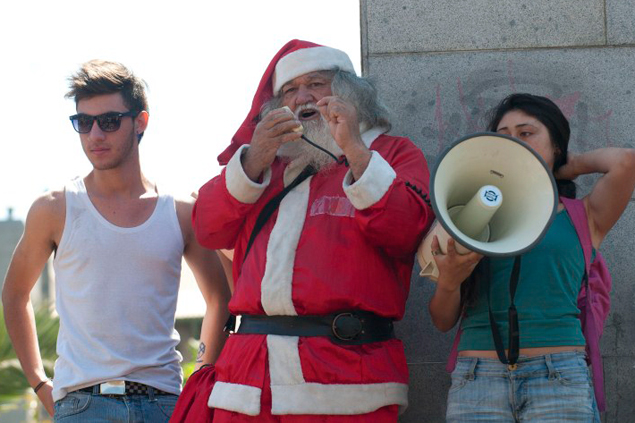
column 512, row 315
column 430, row 271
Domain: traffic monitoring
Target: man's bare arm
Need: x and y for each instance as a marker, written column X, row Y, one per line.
column 210, row 277
column 43, row 228
column 226, row 260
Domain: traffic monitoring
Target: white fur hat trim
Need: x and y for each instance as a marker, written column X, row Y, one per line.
column 308, row 60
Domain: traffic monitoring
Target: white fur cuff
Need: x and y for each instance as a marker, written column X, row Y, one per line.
column 238, row 183
column 373, row 184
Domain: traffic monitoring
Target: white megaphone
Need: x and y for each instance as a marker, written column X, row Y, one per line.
column 493, row 194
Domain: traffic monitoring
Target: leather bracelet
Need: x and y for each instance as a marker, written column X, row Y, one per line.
column 39, row 385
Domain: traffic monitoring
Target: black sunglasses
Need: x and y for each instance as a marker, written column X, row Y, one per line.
column 107, row 122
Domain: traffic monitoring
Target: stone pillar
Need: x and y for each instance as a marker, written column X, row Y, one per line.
column 441, row 65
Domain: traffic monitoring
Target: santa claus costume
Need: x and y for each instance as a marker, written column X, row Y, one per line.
column 335, row 247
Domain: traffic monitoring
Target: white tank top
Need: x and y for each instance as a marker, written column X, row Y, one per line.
column 116, row 290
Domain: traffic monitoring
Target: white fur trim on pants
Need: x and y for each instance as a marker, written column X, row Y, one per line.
column 238, row 183
column 349, row 399
column 291, row 394
column 243, row 399
column 284, row 360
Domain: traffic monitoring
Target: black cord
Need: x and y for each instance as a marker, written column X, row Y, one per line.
column 416, row 189
column 343, row 161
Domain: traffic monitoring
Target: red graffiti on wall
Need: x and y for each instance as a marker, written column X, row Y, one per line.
column 474, row 122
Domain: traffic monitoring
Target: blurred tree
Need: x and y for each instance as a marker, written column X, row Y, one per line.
column 13, row 384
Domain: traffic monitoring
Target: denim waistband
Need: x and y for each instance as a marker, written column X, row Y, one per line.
column 526, row 365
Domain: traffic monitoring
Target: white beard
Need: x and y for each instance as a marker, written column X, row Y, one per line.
column 303, row 153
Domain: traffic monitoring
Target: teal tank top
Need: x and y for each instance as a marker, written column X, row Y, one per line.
column 546, row 296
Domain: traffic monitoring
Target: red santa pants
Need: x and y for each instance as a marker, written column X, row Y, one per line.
column 386, row 414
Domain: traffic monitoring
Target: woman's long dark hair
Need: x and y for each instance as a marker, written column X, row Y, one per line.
column 550, row 115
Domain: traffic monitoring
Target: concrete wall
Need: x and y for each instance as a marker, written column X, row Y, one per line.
column 440, row 65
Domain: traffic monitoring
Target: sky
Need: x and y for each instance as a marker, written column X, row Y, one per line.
column 202, row 61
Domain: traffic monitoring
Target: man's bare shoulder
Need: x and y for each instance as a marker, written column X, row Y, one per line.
column 46, row 216
column 184, row 205
column 51, row 204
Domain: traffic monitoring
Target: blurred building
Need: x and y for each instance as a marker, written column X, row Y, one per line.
column 10, row 233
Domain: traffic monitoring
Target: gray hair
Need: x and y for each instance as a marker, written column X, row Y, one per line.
column 363, row 94
column 359, row 91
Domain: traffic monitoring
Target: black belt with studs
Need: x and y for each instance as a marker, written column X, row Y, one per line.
column 128, row 388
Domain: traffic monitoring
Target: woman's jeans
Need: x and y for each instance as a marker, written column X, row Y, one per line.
column 549, row 388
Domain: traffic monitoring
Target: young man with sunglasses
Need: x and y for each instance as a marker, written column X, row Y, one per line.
column 118, row 242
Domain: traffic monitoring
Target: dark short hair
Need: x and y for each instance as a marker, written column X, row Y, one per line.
column 550, row 115
column 100, row 77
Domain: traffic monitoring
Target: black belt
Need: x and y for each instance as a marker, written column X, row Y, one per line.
column 350, row 327
column 131, row 388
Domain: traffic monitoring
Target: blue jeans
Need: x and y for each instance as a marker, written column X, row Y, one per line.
column 548, row 388
column 81, row 406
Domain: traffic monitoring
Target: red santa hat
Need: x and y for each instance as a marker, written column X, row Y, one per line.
column 294, row 59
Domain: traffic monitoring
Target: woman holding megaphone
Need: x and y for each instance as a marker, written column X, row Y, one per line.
column 537, row 370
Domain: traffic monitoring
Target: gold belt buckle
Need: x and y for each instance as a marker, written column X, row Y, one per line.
column 113, row 387
column 512, row 367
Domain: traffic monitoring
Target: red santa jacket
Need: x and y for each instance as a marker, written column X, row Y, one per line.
column 334, row 244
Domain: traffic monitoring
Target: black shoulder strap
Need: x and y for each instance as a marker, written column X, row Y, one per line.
column 273, row 204
column 512, row 316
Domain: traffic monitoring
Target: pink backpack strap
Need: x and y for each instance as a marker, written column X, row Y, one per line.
column 454, row 354
column 577, row 212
